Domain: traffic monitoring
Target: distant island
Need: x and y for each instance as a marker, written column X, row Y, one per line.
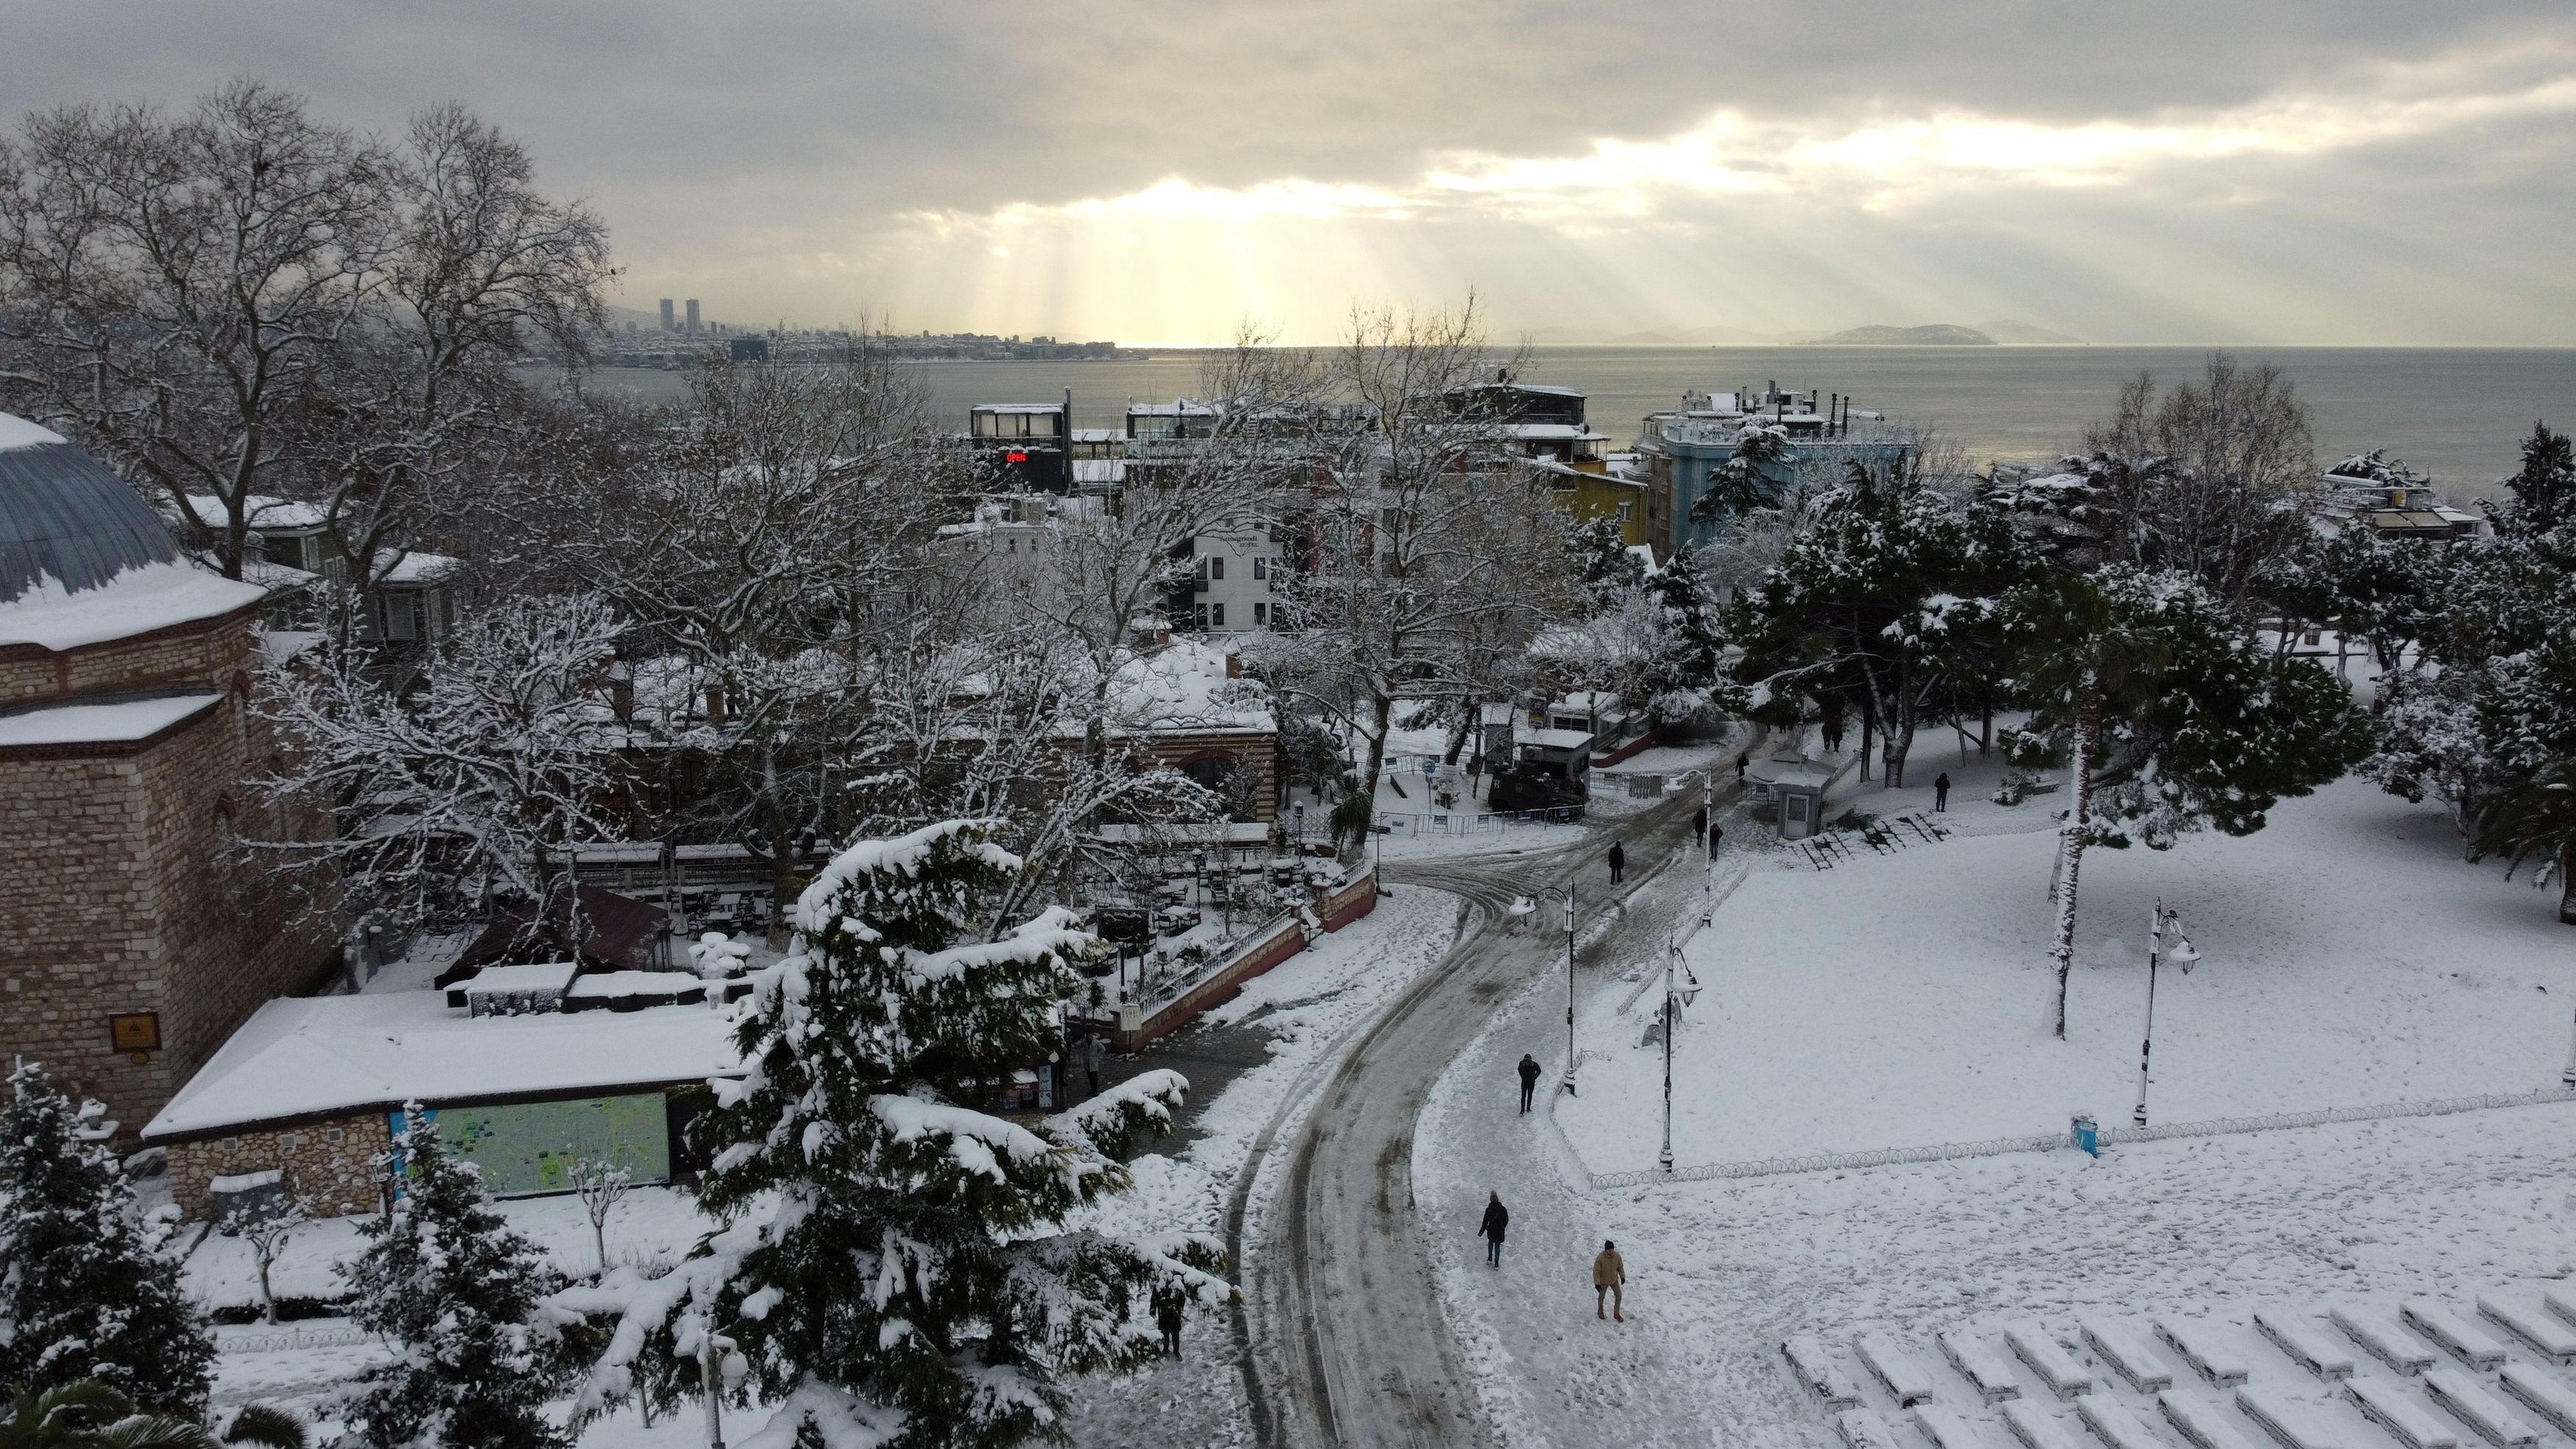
column 1938, row 334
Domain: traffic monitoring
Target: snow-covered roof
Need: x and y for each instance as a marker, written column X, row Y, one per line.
column 1184, row 687
column 260, row 510
column 279, row 645
column 134, row 601
column 1794, row 770
column 123, row 721
column 1585, row 701
column 1099, row 470
column 1553, row 739
column 320, row 1056
column 1554, row 433
column 422, row 568
column 1052, row 407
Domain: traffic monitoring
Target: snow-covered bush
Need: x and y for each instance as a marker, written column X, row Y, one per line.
column 462, row 1298
column 88, row 1290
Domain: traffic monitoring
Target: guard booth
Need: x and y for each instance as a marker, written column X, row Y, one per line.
column 1795, row 785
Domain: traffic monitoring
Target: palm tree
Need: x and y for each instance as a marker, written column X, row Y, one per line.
column 2085, row 649
column 2537, row 821
column 87, row 1414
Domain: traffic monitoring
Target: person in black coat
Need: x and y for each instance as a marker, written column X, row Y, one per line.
column 1529, row 1079
column 1941, row 791
column 1497, row 1217
column 1167, row 1321
column 1618, row 861
column 1699, row 825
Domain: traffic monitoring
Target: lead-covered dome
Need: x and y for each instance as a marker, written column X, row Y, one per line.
column 65, row 519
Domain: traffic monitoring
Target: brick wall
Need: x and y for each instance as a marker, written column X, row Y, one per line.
column 115, row 895
column 333, row 1163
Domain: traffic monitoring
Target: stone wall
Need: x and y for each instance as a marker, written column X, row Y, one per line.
column 1259, row 753
column 115, row 895
column 210, row 654
column 333, row 1163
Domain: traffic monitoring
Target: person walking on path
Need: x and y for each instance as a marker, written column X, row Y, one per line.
column 1699, row 825
column 1609, row 1275
column 1742, row 764
column 1497, row 1218
column 1716, row 833
column 1618, row 861
column 1941, row 791
column 1529, row 1080
column 1167, row 1319
column 1091, row 1056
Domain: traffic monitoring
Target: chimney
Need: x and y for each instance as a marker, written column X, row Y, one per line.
column 1233, row 665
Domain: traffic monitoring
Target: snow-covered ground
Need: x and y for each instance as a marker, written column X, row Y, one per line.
column 2348, row 957
column 1307, row 1003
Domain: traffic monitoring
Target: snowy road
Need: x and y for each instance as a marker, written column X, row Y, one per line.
column 1351, row 1343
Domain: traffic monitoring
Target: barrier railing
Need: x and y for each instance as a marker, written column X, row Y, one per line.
column 2055, row 1141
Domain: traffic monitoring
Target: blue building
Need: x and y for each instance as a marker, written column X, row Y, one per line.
column 1680, row 452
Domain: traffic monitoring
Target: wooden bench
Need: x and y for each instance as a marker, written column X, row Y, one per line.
column 1861, row 1429
column 2542, row 1395
column 2306, row 1347
column 1985, row 1370
column 1946, row 1429
column 1895, row 1369
column 2055, row 1366
column 2287, row 1422
column 2208, row 1354
column 2033, row 1426
column 2387, row 1341
column 2128, row 1356
column 1823, row 1377
column 2471, row 1404
column 2462, row 1339
column 2385, row 1404
column 2204, row 1425
column 2547, row 1336
column 2116, row 1427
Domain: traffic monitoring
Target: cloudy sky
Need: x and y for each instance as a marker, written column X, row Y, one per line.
column 2330, row 171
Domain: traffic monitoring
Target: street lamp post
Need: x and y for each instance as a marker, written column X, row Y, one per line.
column 1569, row 989
column 2159, row 921
column 1675, row 998
column 2567, row 1078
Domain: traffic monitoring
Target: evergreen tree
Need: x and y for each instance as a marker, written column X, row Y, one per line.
column 1682, row 669
column 461, row 1295
column 896, row 1265
column 2543, row 488
column 2168, row 716
column 87, row 1291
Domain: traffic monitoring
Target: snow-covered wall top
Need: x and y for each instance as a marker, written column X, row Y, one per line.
column 17, row 432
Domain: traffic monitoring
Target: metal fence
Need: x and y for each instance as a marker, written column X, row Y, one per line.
column 2057, row 1141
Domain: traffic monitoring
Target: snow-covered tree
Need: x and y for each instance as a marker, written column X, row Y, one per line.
column 2543, row 488
column 265, row 1226
column 893, row 1266
column 600, row 1186
column 1887, row 603
column 461, row 1297
column 2168, row 716
column 88, row 1290
column 471, row 787
column 2536, row 821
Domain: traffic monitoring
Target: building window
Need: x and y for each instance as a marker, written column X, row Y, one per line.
column 1261, row 613
column 1260, row 567
column 1216, row 566
column 1216, row 616
column 333, row 1134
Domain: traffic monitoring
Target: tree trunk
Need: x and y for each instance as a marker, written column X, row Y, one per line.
column 2567, row 884
column 2070, row 845
column 267, row 1297
column 782, row 849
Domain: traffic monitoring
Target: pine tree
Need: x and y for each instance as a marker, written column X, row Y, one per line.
column 87, row 1291
column 461, row 1295
column 2543, row 488
column 1682, row 671
column 895, row 1265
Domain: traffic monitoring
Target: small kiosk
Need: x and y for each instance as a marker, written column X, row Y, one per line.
column 1796, row 785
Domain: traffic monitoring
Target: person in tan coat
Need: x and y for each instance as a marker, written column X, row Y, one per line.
column 1609, row 1275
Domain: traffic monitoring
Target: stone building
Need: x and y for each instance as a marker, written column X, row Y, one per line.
column 132, row 948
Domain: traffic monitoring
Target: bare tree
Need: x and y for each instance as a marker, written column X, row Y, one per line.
column 266, row 1225
column 601, row 1186
column 175, row 291
column 473, row 788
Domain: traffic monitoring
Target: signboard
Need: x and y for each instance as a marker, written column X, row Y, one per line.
column 135, row 1031
column 530, row 1147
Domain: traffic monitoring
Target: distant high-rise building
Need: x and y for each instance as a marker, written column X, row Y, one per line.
column 693, row 314
column 669, row 322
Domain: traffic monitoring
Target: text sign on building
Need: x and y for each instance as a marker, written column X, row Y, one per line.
column 135, row 1031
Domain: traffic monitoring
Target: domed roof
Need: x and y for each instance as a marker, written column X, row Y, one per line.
column 65, row 519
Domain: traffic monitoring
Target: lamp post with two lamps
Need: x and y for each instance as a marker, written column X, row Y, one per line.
column 2159, row 921
column 1676, row 996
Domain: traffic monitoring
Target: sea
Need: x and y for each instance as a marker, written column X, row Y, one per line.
column 2455, row 414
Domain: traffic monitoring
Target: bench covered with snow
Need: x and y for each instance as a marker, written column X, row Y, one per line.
column 1896, row 1370
column 2033, row 1426
column 1816, row 1369
column 1945, row 1428
column 2535, row 1326
column 2116, row 1427
column 2204, row 1425
column 2386, row 1405
column 2206, row 1349
column 2387, row 1342
column 1861, row 1429
column 2055, row 1366
column 2462, row 1339
column 2308, row 1348
column 2471, row 1404
column 1985, row 1370
column 2290, row 1423
column 2560, row 1301
column 2542, row 1395
column 2128, row 1356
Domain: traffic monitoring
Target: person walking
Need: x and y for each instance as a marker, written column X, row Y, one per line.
column 1699, row 825
column 1941, row 791
column 1091, row 1056
column 1529, row 1080
column 1609, row 1276
column 1167, row 1320
column 1716, row 833
column 1497, row 1218
column 1618, row 861
column 1742, row 764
